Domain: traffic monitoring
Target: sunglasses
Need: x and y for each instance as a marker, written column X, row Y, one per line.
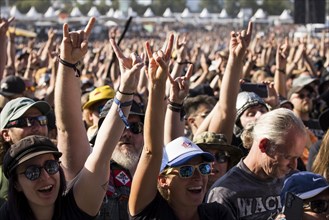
column 317, row 206
column 33, row 172
column 303, row 95
column 27, row 122
column 221, row 157
column 187, row 171
column 136, row 127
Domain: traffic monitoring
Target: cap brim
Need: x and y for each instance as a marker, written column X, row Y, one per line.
column 43, row 107
column 233, row 151
column 182, row 159
column 8, row 93
column 312, row 193
column 57, row 154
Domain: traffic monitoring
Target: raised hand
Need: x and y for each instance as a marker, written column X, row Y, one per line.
column 240, row 41
column 75, row 43
column 4, row 25
column 179, row 87
column 158, row 66
column 129, row 67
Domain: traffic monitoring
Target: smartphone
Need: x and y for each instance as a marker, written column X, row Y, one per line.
column 259, row 89
column 293, row 207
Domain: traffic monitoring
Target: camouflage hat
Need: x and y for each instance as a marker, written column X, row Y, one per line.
column 209, row 139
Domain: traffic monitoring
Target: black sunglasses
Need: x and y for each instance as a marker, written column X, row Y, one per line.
column 33, row 172
column 27, row 122
column 303, row 95
column 187, row 171
column 221, row 157
column 136, row 127
column 317, row 206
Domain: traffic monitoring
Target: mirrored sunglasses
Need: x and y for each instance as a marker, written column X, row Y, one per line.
column 33, row 172
column 136, row 127
column 317, row 206
column 28, row 122
column 187, row 171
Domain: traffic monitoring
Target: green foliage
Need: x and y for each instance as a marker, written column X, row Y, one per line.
column 25, row 5
column 159, row 6
column 213, row 6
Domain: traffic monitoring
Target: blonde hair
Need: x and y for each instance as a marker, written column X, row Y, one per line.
column 321, row 161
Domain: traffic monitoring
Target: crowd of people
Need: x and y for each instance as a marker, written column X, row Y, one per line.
column 161, row 128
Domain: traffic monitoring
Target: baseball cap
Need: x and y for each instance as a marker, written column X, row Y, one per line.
column 246, row 100
column 134, row 110
column 300, row 83
column 304, row 184
column 15, row 108
column 12, row 85
column 180, row 150
column 99, row 94
column 209, row 139
column 27, row 148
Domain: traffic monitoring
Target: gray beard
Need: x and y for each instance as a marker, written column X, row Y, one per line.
column 128, row 160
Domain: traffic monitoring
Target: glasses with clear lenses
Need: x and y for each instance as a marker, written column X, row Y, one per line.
column 28, row 122
column 187, row 171
column 317, row 206
column 33, row 172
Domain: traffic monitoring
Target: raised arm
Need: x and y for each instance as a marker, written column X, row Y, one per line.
column 223, row 120
column 144, row 185
column 72, row 137
column 4, row 25
column 174, row 124
column 93, row 180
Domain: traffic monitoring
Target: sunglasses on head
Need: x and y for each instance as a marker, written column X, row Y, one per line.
column 187, row 171
column 136, row 127
column 33, row 172
column 317, row 206
column 27, row 122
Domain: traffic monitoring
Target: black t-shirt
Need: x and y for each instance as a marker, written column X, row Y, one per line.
column 159, row 209
column 69, row 210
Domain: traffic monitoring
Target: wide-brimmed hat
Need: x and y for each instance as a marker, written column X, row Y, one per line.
column 211, row 140
column 99, row 94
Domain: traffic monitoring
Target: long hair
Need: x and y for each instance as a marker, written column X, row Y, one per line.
column 18, row 204
column 321, row 161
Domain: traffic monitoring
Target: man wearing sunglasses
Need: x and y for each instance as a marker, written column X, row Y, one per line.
column 20, row 117
column 313, row 189
column 303, row 95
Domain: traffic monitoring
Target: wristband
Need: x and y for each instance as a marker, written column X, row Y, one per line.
column 121, row 114
column 126, row 93
column 71, row 65
column 281, row 71
column 175, row 104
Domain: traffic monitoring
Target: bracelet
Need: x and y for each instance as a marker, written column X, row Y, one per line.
column 174, row 109
column 184, row 62
column 281, row 71
column 71, row 65
column 121, row 114
column 175, row 104
column 126, row 93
